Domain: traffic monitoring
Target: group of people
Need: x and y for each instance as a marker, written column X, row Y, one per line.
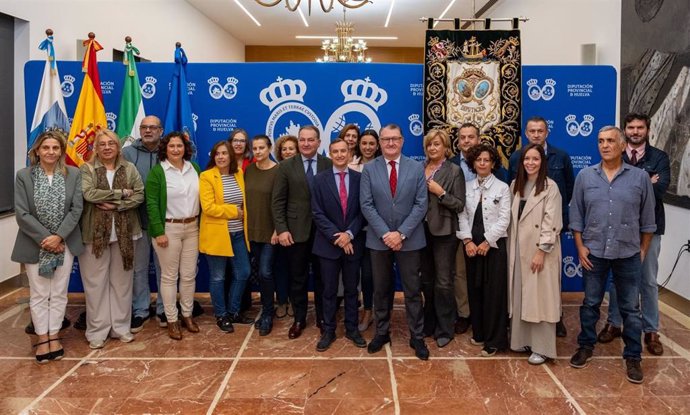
column 472, row 249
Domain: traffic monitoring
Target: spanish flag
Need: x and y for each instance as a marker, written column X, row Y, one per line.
column 89, row 116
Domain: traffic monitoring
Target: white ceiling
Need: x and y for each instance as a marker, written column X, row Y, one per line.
column 279, row 26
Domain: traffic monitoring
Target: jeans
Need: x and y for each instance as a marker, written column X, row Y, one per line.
column 264, row 253
column 141, row 292
column 626, row 275
column 240, row 270
column 649, row 292
column 216, row 284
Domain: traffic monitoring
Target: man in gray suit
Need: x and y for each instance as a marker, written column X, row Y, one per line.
column 393, row 198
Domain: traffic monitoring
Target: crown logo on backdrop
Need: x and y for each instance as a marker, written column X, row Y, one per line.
column 413, row 117
column 213, row 80
column 549, row 82
column 471, row 49
column 283, row 90
column 532, row 82
column 588, row 118
column 365, row 91
column 232, row 80
column 151, row 80
column 570, row 118
column 69, row 78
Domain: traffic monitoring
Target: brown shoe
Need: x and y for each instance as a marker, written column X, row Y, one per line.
column 653, row 343
column 608, row 333
column 189, row 323
column 174, row 331
column 296, row 330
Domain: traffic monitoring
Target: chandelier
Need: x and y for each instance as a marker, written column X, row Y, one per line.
column 350, row 4
column 344, row 48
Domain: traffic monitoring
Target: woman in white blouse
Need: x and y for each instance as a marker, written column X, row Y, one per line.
column 483, row 226
column 172, row 202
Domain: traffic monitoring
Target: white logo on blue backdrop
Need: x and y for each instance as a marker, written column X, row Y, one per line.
column 148, row 90
column 575, row 128
column 230, row 88
column 67, row 86
column 110, row 118
column 215, row 89
column 570, row 268
column 546, row 92
column 362, row 99
column 416, row 127
column 194, row 118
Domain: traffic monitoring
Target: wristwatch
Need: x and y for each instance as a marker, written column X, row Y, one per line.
column 440, row 198
column 402, row 236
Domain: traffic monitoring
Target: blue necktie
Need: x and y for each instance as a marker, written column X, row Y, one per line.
column 310, row 172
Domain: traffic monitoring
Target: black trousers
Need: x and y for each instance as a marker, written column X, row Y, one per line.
column 408, row 265
column 331, row 270
column 438, row 284
column 300, row 260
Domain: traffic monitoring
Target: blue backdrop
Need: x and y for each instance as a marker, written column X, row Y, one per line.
column 276, row 98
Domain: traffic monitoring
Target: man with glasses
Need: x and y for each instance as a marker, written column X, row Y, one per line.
column 292, row 216
column 393, row 198
column 143, row 153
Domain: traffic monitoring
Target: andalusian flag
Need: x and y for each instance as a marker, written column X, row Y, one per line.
column 50, row 106
column 89, row 116
column 131, row 104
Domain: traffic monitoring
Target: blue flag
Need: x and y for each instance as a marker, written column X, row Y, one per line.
column 50, row 110
column 178, row 115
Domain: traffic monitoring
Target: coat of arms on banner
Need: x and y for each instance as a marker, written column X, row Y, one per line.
column 473, row 76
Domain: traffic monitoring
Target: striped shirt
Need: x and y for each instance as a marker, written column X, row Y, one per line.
column 232, row 195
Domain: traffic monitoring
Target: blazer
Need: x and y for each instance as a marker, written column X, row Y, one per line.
column 540, row 224
column 31, row 232
column 291, row 201
column 496, row 214
column 156, row 193
column 93, row 196
column 442, row 215
column 656, row 161
column 328, row 215
column 214, row 238
column 404, row 212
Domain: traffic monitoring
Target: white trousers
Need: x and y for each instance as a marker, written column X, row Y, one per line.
column 108, row 292
column 48, row 296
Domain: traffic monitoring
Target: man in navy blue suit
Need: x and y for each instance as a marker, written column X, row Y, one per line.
column 338, row 241
column 393, row 198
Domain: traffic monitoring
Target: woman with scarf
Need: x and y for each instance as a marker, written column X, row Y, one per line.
column 110, row 227
column 48, row 205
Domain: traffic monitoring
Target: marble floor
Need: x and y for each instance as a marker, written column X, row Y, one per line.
column 243, row 373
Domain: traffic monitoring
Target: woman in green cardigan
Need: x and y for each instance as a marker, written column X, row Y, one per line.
column 172, row 203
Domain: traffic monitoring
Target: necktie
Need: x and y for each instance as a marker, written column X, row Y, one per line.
column 343, row 193
column 310, row 172
column 393, row 179
column 633, row 159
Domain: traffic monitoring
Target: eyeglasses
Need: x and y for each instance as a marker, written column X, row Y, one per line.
column 391, row 139
column 149, row 127
column 238, row 141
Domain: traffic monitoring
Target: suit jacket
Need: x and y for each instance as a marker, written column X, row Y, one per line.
column 540, row 224
column 328, row 216
column 656, row 161
column 385, row 213
column 442, row 216
column 292, row 197
column 31, row 232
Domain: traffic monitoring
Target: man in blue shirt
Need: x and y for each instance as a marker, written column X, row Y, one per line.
column 612, row 219
column 655, row 162
column 559, row 169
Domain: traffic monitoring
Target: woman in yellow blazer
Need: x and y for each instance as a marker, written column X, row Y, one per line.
column 534, row 264
column 223, row 233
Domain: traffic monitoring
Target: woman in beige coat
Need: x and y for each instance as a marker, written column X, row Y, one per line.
column 534, row 262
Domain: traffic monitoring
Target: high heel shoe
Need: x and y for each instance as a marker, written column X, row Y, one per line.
column 44, row 358
column 57, row 354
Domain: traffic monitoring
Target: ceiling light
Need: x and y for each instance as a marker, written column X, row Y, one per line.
column 237, row 2
column 445, row 11
column 304, row 19
column 354, row 37
column 390, row 11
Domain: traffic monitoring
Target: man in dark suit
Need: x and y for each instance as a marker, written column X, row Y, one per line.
column 393, row 198
column 293, row 222
column 558, row 168
column 338, row 242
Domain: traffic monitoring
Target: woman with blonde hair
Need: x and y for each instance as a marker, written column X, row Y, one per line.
column 110, row 229
column 48, row 205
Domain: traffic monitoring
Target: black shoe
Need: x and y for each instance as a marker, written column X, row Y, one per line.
column 633, row 370
column 420, row 349
column 356, row 339
column 197, row 309
column 137, row 324
column 29, row 329
column 325, row 342
column 80, row 324
column 265, row 325
column 224, row 324
column 561, row 331
column 162, row 320
column 239, row 318
column 378, row 342
column 581, row 358
column 462, row 324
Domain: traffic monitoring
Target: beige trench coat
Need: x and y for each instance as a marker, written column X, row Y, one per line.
column 541, row 223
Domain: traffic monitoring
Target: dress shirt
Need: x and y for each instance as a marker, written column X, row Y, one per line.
column 336, row 175
column 305, row 162
column 461, row 161
column 611, row 215
column 182, row 191
column 640, row 151
column 397, row 165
